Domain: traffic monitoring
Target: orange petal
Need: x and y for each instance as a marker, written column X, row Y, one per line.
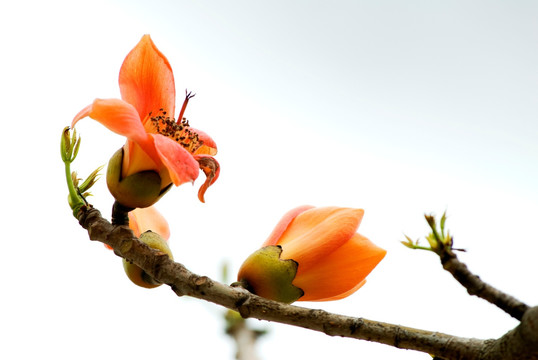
column 341, row 272
column 144, row 219
column 146, row 80
column 81, row 115
column 181, row 165
column 136, row 158
column 211, row 169
column 117, row 115
column 317, row 232
column 342, row 295
column 209, row 147
column 283, row 224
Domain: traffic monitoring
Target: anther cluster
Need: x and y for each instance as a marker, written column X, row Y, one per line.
column 178, row 131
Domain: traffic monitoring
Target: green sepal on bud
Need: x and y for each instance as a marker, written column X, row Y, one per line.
column 265, row 274
column 139, row 190
column 134, row 272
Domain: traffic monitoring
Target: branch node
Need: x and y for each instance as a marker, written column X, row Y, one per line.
column 201, row 281
column 242, row 306
column 125, row 246
column 88, row 216
column 122, row 235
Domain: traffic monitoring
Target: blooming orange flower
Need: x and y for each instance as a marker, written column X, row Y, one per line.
column 332, row 259
column 155, row 140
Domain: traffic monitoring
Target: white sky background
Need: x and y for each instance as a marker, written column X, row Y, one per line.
column 396, row 108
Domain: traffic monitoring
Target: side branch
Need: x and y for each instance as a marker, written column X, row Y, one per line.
column 476, row 286
column 183, row 282
column 441, row 243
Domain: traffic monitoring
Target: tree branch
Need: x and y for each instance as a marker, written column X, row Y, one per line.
column 476, row 286
column 520, row 343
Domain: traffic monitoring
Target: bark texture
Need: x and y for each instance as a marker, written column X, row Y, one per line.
column 475, row 286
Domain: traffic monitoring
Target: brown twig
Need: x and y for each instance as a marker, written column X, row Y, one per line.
column 520, row 343
column 476, row 286
column 441, row 243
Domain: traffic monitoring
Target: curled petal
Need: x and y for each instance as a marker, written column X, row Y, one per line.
column 181, row 165
column 146, row 79
column 341, row 272
column 283, row 224
column 81, row 115
column 144, row 219
column 211, row 169
column 315, row 233
column 209, row 147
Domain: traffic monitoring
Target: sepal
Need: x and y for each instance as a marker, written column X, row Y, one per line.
column 265, row 274
column 138, row 190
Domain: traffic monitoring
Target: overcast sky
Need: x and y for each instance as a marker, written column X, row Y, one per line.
column 399, row 108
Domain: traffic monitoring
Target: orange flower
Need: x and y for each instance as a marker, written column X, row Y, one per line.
column 329, row 260
column 156, row 142
column 144, row 219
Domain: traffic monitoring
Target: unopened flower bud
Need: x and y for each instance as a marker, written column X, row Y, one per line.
column 313, row 254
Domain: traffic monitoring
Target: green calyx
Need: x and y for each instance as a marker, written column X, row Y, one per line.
column 265, row 274
column 138, row 190
column 135, row 273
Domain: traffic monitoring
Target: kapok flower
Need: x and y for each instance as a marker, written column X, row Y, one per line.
column 144, row 219
column 152, row 229
column 313, row 254
column 160, row 150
